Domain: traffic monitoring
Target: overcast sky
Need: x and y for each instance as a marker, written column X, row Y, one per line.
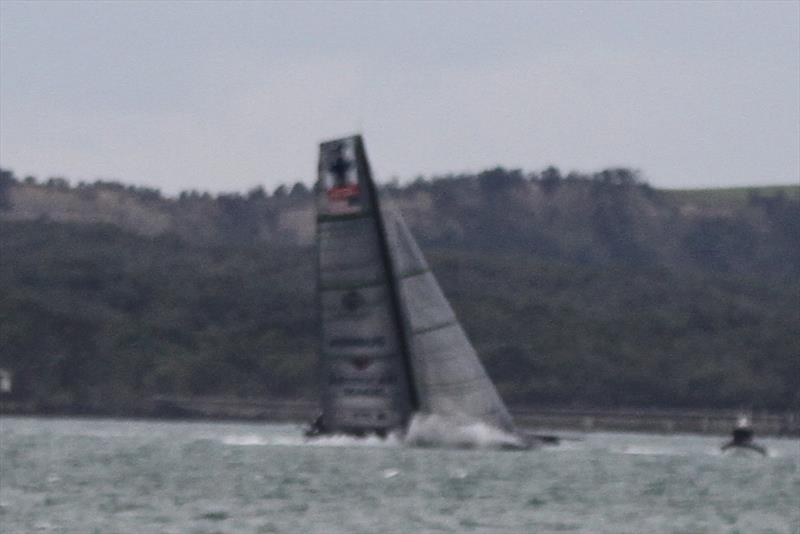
column 226, row 96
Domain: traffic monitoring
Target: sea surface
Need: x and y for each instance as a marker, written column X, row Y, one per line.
column 118, row 476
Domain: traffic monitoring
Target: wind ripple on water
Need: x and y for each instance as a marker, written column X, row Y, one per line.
column 79, row 476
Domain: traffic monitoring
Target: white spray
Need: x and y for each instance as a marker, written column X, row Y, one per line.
column 439, row 431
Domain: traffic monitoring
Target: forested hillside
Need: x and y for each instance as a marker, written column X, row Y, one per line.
column 579, row 290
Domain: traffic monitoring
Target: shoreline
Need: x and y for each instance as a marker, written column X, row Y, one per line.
column 658, row 421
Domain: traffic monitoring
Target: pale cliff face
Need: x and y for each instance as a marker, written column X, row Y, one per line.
column 582, row 219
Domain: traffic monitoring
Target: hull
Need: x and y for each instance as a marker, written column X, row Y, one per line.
column 522, row 445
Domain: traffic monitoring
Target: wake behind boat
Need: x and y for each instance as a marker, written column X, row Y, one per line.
column 393, row 356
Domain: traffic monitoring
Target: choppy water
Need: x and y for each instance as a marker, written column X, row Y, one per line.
column 84, row 476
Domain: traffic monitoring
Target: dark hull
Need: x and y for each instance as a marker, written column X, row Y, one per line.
column 314, row 433
column 527, row 441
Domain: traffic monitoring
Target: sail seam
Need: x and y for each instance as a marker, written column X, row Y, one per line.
column 435, row 327
column 411, row 274
column 352, row 266
column 455, row 385
column 343, row 217
column 433, row 358
column 342, row 318
column 348, row 317
column 354, row 285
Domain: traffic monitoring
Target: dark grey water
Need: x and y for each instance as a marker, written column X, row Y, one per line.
column 84, row 476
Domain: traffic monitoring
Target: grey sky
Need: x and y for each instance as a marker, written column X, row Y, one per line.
column 226, row 96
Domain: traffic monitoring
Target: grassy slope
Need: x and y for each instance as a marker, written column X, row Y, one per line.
column 732, row 197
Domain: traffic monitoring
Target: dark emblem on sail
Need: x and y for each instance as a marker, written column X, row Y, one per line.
column 339, row 166
column 352, row 300
column 343, row 189
column 361, row 362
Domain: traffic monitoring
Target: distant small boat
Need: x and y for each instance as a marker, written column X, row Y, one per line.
column 742, row 438
column 391, row 348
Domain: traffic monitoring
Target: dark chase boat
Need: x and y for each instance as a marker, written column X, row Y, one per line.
column 393, row 357
column 743, row 438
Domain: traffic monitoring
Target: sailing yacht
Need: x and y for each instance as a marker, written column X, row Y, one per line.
column 392, row 351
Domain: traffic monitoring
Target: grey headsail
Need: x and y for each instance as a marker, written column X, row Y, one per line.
column 365, row 379
column 449, row 377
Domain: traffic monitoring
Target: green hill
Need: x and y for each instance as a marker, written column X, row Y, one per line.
column 577, row 290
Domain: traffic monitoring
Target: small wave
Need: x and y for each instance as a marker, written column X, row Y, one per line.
column 298, row 440
column 247, row 440
column 459, row 474
column 650, row 451
column 644, row 450
column 350, row 441
column 214, row 516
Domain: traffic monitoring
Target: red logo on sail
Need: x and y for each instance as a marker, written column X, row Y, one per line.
column 343, row 193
